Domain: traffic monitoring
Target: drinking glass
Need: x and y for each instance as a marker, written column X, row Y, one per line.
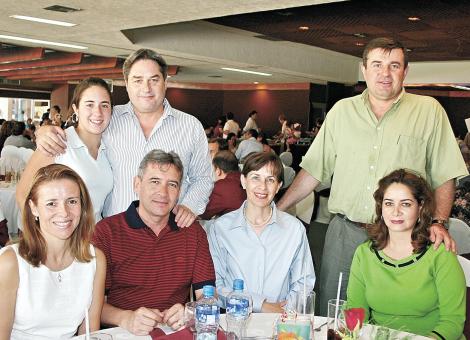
column 340, row 323
column 188, row 318
column 304, row 303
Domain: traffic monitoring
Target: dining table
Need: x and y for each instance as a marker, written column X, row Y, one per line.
column 259, row 326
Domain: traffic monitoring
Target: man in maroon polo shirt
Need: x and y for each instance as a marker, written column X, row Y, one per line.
column 228, row 194
column 151, row 263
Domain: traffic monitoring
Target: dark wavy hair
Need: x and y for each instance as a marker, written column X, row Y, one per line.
column 421, row 191
column 32, row 245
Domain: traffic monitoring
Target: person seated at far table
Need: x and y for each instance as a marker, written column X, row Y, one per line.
column 53, row 275
column 249, row 145
column 18, row 139
column 260, row 244
column 215, row 145
column 228, row 194
column 232, row 142
column 152, row 263
column 398, row 277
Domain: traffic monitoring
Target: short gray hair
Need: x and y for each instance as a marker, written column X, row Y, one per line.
column 144, row 54
column 161, row 157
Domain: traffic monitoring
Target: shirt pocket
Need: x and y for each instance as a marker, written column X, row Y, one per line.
column 411, row 154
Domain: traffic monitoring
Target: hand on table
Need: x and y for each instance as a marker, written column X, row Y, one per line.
column 51, row 140
column 184, row 216
column 439, row 234
column 141, row 321
column 173, row 316
column 273, row 307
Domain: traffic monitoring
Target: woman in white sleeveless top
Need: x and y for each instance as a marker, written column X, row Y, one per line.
column 85, row 153
column 53, row 275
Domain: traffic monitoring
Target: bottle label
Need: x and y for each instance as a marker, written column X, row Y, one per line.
column 208, row 315
column 238, row 307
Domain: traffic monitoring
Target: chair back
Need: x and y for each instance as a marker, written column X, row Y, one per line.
column 465, row 264
column 14, row 157
column 460, row 232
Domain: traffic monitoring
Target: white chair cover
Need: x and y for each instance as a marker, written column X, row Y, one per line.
column 465, row 264
column 460, row 232
column 14, row 158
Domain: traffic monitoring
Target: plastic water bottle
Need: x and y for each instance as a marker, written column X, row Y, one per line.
column 207, row 315
column 238, row 310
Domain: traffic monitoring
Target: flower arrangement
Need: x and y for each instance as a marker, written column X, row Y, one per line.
column 354, row 318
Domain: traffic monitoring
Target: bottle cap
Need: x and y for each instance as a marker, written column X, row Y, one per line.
column 208, row 290
column 238, row 284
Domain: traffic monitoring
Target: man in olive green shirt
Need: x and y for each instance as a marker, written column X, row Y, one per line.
column 364, row 138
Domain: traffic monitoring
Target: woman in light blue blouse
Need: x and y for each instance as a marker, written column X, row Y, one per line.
column 260, row 244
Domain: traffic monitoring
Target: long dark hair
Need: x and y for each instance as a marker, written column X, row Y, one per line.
column 378, row 232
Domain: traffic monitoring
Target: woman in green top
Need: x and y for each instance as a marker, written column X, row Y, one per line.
column 398, row 277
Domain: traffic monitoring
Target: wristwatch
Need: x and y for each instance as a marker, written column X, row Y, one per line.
column 442, row 222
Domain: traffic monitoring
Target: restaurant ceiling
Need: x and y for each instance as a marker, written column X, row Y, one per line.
column 434, row 30
column 199, row 38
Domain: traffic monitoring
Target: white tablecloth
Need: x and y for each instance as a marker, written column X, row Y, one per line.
column 263, row 324
column 9, row 206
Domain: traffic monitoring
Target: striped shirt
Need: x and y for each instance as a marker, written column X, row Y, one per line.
column 146, row 270
column 176, row 131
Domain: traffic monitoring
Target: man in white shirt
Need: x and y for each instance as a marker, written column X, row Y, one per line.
column 231, row 125
column 251, row 122
column 148, row 122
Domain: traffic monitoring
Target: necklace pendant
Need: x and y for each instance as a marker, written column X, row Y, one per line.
column 59, row 277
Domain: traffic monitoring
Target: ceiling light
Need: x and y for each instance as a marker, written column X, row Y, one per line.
column 246, row 71
column 409, row 50
column 44, row 42
column 304, row 28
column 414, row 18
column 359, row 44
column 255, row 82
column 460, row 87
column 44, row 21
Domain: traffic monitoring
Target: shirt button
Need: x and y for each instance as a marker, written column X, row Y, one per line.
column 375, row 147
column 372, row 167
column 368, row 187
column 365, row 207
column 378, row 128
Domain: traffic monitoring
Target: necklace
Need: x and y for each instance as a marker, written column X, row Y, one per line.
column 262, row 224
column 59, row 277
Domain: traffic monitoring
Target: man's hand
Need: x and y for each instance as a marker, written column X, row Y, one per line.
column 184, row 216
column 273, row 307
column 173, row 316
column 141, row 321
column 437, row 234
column 51, row 140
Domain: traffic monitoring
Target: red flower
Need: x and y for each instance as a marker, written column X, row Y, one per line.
column 354, row 315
